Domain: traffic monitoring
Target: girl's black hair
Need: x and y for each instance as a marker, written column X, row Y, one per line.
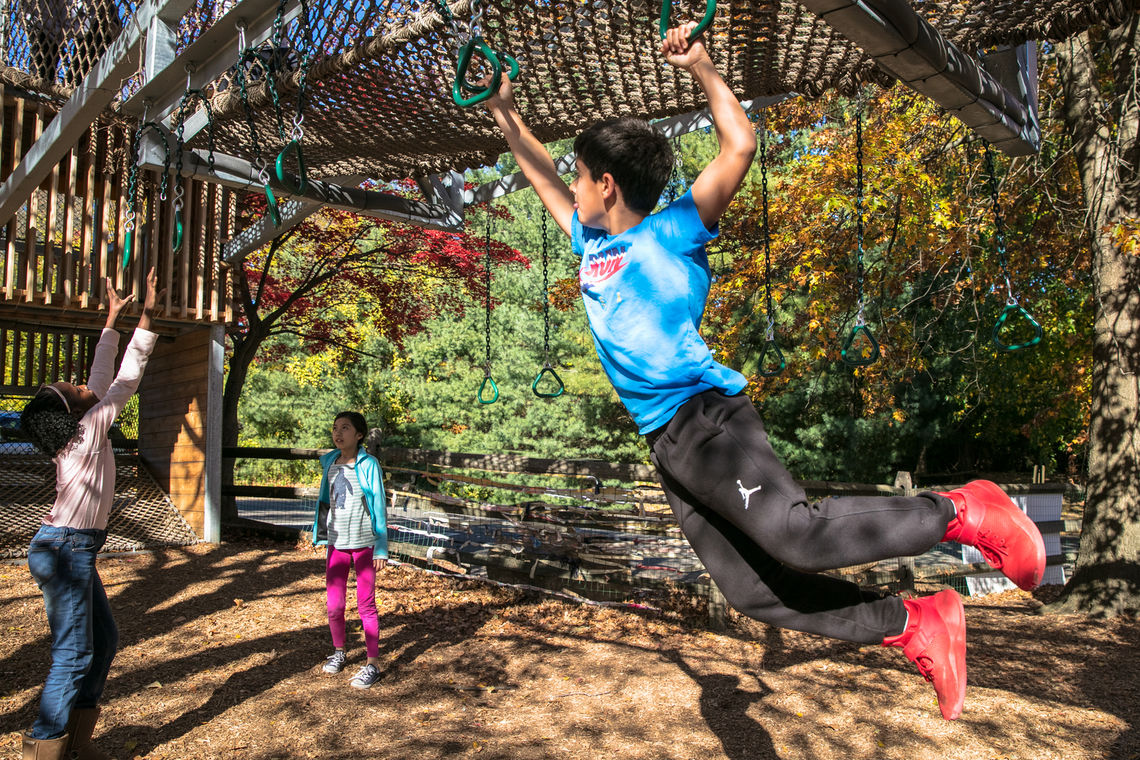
column 357, row 420
column 47, row 423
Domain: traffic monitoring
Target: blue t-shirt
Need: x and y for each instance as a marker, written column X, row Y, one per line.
column 645, row 292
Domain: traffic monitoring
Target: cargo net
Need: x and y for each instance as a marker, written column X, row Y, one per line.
column 377, row 89
column 142, row 516
column 49, row 46
column 378, row 104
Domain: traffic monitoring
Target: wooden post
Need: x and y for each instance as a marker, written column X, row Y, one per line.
column 56, row 342
column 51, row 188
column 30, row 232
column 29, row 365
column 10, row 242
column 718, row 608
column 102, row 233
column 154, row 237
column 188, row 214
column 223, row 283
column 114, row 267
column 65, row 280
column 208, row 306
column 87, row 237
column 166, row 211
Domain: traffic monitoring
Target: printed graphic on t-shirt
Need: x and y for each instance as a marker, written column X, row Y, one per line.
column 342, row 490
column 600, row 267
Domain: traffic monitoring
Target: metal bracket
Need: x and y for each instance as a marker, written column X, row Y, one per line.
column 212, row 54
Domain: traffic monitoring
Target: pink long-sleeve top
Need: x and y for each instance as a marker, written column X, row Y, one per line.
column 85, row 467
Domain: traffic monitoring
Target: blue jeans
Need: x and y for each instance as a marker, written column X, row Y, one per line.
column 84, row 638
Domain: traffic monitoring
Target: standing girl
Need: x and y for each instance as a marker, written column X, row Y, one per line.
column 70, row 423
column 350, row 520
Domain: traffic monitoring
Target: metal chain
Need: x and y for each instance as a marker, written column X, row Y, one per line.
column 244, row 55
column 545, row 292
column 477, row 12
column 999, row 225
column 132, row 181
column 273, row 65
column 132, row 177
column 771, row 331
column 181, row 133
column 210, row 145
column 487, row 286
column 304, row 48
column 674, row 173
column 452, row 25
column 859, row 320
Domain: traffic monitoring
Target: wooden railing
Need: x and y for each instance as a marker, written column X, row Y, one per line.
column 58, row 250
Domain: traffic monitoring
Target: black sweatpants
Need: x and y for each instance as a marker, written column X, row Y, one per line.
column 764, row 543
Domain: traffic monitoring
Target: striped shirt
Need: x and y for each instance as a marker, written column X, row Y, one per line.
column 349, row 524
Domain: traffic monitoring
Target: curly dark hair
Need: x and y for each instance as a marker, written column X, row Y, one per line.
column 47, row 423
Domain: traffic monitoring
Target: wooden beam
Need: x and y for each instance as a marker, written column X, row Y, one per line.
column 910, row 49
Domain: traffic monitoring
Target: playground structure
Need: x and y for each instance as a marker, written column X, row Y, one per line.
column 369, row 91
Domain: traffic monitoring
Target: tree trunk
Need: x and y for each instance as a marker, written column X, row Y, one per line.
column 1103, row 128
column 245, row 350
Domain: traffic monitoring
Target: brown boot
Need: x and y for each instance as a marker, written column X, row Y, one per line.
column 44, row 749
column 80, row 726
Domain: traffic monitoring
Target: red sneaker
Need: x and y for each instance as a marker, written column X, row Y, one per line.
column 935, row 641
column 1006, row 537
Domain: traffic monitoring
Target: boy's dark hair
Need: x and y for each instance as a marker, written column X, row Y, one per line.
column 357, row 420
column 47, row 423
column 639, row 158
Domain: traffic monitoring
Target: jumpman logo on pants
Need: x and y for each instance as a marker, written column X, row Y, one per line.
column 746, row 493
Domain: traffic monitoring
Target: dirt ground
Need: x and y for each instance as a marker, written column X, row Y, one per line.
column 221, row 648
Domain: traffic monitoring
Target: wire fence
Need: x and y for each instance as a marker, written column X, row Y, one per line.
column 604, row 539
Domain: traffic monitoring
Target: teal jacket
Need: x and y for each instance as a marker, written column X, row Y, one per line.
column 371, row 479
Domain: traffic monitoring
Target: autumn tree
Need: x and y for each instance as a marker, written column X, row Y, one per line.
column 310, row 283
column 933, row 285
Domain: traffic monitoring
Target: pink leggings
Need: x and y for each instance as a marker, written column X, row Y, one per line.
column 336, row 583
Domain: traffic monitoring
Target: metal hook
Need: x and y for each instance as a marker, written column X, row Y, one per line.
column 241, row 36
column 189, row 71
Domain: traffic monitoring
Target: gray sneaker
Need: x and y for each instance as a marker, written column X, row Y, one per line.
column 335, row 662
column 367, row 676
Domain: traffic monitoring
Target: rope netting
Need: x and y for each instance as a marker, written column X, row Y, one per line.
column 377, row 92
column 142, row 516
